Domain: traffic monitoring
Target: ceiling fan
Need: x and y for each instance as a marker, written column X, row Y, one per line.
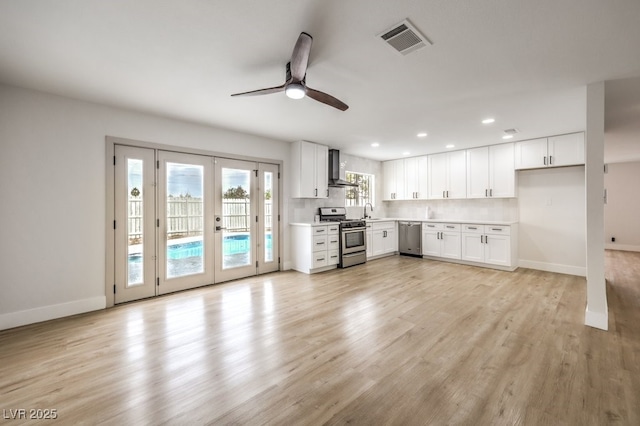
column 295, row 85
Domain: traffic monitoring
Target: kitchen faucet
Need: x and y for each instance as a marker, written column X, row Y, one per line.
column 365, row 209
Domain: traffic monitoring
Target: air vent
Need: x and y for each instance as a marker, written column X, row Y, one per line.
column 511, row 131
column 404, row 38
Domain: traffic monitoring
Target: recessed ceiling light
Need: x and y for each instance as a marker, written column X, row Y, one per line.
column 422, row 135
column 449, row 146
column 488, row 120
column 507, row 136
column 375, row 144
column 406, row 153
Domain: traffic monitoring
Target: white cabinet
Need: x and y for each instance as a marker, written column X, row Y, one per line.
column 555, row 151
column 489, row 244
column 447, row 175
column 491, row 171
column 393, row 180
column 405, row 179
column 566, row 150
column 384, row 239
column 441, row 240
column 416, row 177
column 309, row 170
column 315, row 248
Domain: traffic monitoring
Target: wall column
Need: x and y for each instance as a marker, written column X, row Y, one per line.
column 596, row 314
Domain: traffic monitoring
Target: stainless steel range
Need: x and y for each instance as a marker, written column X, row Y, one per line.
column 353, row 235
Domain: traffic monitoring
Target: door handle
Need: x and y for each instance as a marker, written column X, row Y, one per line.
column 220, row 228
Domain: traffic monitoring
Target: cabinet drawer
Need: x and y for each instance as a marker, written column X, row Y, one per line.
column 333, row 229
column 320, row 243
column 497, row 229
column 320, row 230
column 333, row 257
column 320, row 259
column 473, row 229
column 426, row 226
column 450, row 226
column 383, row 225
column 333, row 242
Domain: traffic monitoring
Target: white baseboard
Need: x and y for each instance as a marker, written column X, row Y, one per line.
column 580, row 271
column 623, row 247
column 596, row 319
column 45, row 313
column 286, row 266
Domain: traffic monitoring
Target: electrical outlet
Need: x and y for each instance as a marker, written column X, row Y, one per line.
column 613, row 239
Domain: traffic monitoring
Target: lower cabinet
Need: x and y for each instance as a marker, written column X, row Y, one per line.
column 489, row 244
column 441, row 240
column 480, row 244
column 315, row 248
column 382, row 238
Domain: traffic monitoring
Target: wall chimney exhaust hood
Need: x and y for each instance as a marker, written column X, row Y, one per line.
column 334, row 171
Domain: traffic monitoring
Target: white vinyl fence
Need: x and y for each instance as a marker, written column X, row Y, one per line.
column 185, row 216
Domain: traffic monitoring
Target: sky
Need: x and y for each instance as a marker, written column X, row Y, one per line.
column 187, row 178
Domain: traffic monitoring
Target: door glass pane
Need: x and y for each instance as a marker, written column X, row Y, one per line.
column 185, row 218
column 268, row 217
column 236, row 218
column 135, row 223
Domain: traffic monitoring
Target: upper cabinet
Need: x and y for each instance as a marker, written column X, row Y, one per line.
column 309, row 170
column 555, row 151
column 491, row 171
column 405, row 179
column 447, row 175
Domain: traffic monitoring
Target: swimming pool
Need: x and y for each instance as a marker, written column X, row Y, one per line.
column 232, row 244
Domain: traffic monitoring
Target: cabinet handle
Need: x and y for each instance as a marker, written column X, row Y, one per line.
column 443, row 194
column 384, row 234
column 320, row 243
column 486, row 192
column 545, row 160
column 481, row 239
column 320, row 259
column 472, row 227
column 486, row 239
column 316, row 192
column 439, row 235
column 496, row 229
column 491, row 192
column 447, row 193
column 550, row 159
column 327, row 192
column 334, row 256
column 319, row 230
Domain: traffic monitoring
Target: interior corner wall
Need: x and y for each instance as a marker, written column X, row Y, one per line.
column 623, row 204
column 52, row 192
column 551, row 229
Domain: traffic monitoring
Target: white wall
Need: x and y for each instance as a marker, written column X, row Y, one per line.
column 303, row 210
column 552, row 219
column 52, row 192
column 623, row 206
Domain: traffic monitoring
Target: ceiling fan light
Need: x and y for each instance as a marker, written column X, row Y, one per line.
column 295, row 91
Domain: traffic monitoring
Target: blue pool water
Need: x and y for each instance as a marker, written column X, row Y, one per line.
column 233, row 244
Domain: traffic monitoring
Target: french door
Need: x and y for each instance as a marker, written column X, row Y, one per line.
column 185, row 255
column 186, row 220
column 246, row 203
column 135, row 231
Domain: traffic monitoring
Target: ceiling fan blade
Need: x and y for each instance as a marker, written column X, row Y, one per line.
column 326, row 99
column 300, row 56
column 267, row 91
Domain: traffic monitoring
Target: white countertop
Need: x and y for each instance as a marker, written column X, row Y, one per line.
column 470, row 221
column 403, row 219
column 314, row 223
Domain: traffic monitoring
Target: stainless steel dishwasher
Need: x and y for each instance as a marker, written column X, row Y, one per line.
column 410, row 238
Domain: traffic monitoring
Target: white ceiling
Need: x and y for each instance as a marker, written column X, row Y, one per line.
column 524, row 63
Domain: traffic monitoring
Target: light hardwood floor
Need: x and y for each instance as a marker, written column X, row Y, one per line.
column 396, row 341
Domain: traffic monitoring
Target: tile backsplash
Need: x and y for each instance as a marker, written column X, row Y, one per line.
column 495, row 209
